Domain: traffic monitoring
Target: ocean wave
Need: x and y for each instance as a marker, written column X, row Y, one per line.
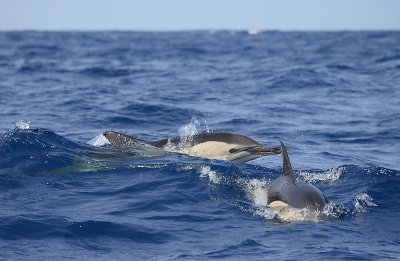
column 329, row 96
column 330, row 175
column 255, row 190
column 108, row 72
column 37, row 227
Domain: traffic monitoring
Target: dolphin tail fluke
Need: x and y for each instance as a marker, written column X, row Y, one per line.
column 256, row 149
column 287, row 167
column 121, row 140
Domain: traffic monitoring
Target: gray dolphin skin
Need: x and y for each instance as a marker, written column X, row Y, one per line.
column 218, row 145
column 298, row 195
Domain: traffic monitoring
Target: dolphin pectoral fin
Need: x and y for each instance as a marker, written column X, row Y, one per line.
column 242, row 148
column 265, row 151
column 121, row 140
column 256, row 149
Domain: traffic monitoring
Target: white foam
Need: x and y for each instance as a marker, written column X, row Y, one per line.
column 171, row 147
column 330, row 175
column 186, row 132
column 256, row 191
column 288, row 214
column 206, row 172
column 335, row 210
column 361, row 202
column 98, row 141
column 22, row 125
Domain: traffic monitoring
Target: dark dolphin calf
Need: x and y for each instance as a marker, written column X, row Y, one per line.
column 219, row 145
column 299, row 195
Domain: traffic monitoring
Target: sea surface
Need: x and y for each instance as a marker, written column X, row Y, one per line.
column 332, row 97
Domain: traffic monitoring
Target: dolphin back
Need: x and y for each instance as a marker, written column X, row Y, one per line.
column 121, row 140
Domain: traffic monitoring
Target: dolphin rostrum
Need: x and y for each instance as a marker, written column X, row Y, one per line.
column 218, row 145
column 285, row 190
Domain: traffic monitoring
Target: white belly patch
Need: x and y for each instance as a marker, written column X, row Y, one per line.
column 212, row 150
column 277, row 203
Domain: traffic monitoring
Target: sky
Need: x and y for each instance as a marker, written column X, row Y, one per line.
column 176, row 15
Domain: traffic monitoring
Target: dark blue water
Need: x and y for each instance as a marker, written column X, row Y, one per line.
column 333, row 98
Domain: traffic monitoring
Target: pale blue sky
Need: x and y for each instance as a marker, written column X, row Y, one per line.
column 201, row 14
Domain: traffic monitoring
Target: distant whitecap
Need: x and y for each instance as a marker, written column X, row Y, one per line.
column 253, row 31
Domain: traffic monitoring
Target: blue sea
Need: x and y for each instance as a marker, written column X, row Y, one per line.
column 332, row 97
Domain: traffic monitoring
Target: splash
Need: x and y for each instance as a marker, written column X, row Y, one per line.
column 206, row 172
column 170, row 147
column 330, row 175
column 98, row 141
column 361, row 203
column 335, row 210
column 256, row 190
column 22, row 125
column 288, row 214
column 187, row 132
column 186, row 135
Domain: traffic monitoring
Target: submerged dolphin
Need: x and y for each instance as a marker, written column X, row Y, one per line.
column 220, row 145
column 285, row 190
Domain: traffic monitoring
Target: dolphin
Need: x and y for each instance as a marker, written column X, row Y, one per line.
column 219, row 145
column 285, row 191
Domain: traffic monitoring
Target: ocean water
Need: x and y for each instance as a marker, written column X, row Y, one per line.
column 332, row 97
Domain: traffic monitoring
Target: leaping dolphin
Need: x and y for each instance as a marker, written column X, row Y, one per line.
column 219, row 145
column 285, row 190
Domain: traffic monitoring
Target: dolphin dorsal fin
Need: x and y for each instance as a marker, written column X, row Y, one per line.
column 287, row 167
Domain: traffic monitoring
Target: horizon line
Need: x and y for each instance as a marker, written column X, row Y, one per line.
column 248, row 30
